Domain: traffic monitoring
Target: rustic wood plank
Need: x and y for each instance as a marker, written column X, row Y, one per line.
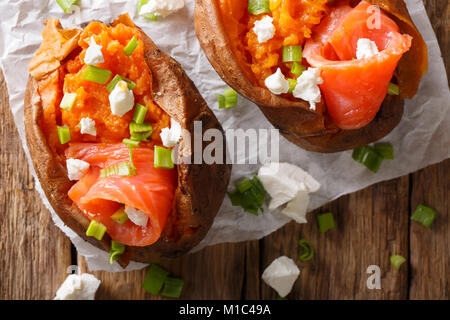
column 371, row 225
column 35, row 253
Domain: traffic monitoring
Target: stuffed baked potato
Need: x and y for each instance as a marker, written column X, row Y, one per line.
column 80, row 83
column 253, row 41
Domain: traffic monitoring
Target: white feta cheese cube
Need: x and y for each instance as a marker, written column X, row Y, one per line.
column 136, row 216
column 281, row 275
column 93, row 53
column 366, row 48
column 121, row 99
column 76, row 168
column 88, row 126
column 264, row 29
column 307, row 87
column 277, row 83
column 297, row 208
column 171, row 136
column 161, row 7
column 78, row 287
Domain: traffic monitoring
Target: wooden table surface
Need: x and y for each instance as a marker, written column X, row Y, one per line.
column 372, row 224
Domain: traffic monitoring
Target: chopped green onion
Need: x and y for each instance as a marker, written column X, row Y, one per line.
column 66, row 5
column 132, row 44
column 308, row 250
column 257, row 7
column 131, row 143
column 163, row 158
column 244, row 185
column 115, row 251
column 140, row 127
column 140, row 112
column 252, row 198
column 141, row 136
column 393, row 89
column 96, row 230
column 397, row 261
column 67, row 101
column 155, row 278
column 96, row 74
column 292, row 54
column 124, row 169
column 231, row 97
column 385, row 150
column 424, row 215
column 297, row 68
column 292, row 85
column 120, row 216
column 63, row 134
column 325, row 221
column 172, row 287
column 368, row 157
column 221, row 100
column 150, row 16
column 112, row 84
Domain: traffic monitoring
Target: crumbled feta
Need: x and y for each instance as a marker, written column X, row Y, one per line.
column 366, row 48
column 78, row 287
column 171, row 136
column 93, row 53
column 264, row 29
column 298, row 207
column 307, row 87
column 161, row 7
column 76, row 169
column 88, row 126
column 121, row 99
column 281, row 275
column 277, row 83
column 136, row 216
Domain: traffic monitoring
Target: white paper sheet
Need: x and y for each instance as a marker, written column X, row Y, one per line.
column 421, row 138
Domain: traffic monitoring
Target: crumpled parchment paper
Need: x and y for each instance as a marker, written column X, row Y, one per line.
column 421, row 138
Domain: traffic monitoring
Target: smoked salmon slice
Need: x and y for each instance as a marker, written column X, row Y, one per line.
column 151, row 191
column 355, row 89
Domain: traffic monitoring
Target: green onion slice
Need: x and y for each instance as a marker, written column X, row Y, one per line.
column 141, row 136
column 163, row 158
column 140, row 112
column 172, row 287
column 393, row 89
column 124, row 169
column 231, row 98
column 66, row 5
column 150, row 16
column 68, row 101
column 132, row 44
column 155, row 278
column 424, row 215
column 140, row 127
column 368, row 157
column 257, row 7
column 120, row 216
column 221, row 100
column 385, row 150
column 307, row 250
column 96, row 74
column 251, row 198
column 397, row 261
column 131, row 143
column 292, row 85
column 297, row 68
column 325, row 221
column 96, row 230
column 112, row 84
column 115, row 251
column 244, row 185
column 63, row 134
column 292, row 54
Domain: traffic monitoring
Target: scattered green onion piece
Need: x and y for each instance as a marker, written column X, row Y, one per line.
column 112, row 84
column 292, row 85
column 96, row 230
column 297, row 68
column 63, row 134
column 150, row 16
column 140, row 127
column 67, row 101
column 140, row 112
column 424, row 215
column 120, row 216
column 393, row 89
column 368, row 157
column 131, row 143
column 308, row 250
column 66, row 5
column 96, row 74
column 163, row 158
column 141, row 136
column 155, row 278
column 236, row 198
column 124, row 169
column 221, row 100
column 132, row 44
column 385, row 150
column 257, row 7
column 325, row 221
column 397, row 261
column 172, row 287
column 231, row 98
column 244, row 185
column 292, row 54
column 252, row 198
column 115, row 251
column 131, row 158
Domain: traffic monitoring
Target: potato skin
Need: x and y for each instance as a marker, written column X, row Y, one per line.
column 196, row 203
column 296, row 122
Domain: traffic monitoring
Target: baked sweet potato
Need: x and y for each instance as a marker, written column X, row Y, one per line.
column 200, row 188
column 221, row 27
